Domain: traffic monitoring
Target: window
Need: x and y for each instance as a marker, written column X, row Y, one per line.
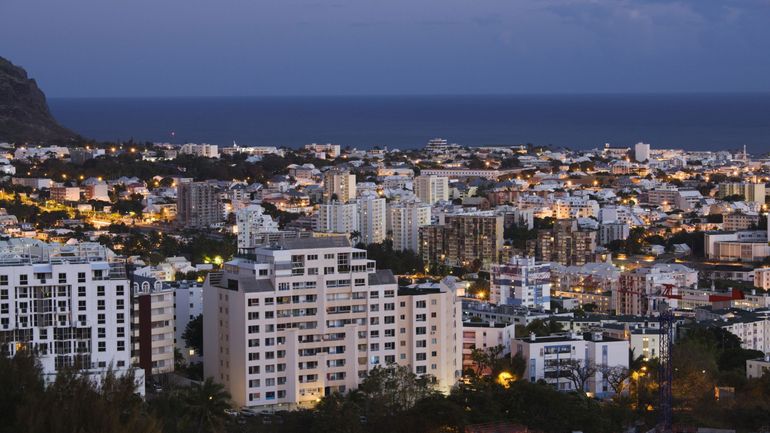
column 102, row 346
column 312, row 257
column 62, row 278
column 23, row 279
column 3, row 280
column 121, row 346
column 81, row 291
column 389, row 320
column 420, row 330
column 119, row 290
column 329, row 256
column 422, row 356
column 360, row 282
column 312, row 271
column 421, row 304
column 328, row 270
column 99, row 290
column 81, row 277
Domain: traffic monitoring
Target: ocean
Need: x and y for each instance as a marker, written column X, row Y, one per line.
column 689, row 121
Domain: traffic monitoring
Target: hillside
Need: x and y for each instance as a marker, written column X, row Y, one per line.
column 24, row 114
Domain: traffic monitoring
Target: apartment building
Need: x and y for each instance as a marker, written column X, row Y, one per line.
column 566, row 244
column 751, row 327
column 371, row 218
column 287, row 324
column 735, row 221
column 198, row 205
column 523, row 282
column 762, row 278
column 641, row 290
column 336, row 217
column 404, row 219
column 152, row 321
column 202, row 150
column 549, row 357
column 751, row 192
column 339, row 185
column 188, row 304
column 251, row 223
column 614, row 231
column 431, row 189
column 485, row 336
column 62, row 194
column 468, row 239
column 69, row 303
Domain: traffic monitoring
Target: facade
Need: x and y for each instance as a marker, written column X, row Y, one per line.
column 339, row 186
column 404, row 219
column 641, row 152
column 756, row 368
column 252, row 222
column 762, row 278
column 751, row 192
column 521, row 282
column 63, row 194
column 431, row 189
column 198, row 205
column 371, row 219
column 641, row 290
column 735, row 221
column 566, row 244
column 152, row 323
column 336, row 218
column 286, row 325
column 188, row 304
column 548, row 357
column 71, row 304
column 202, row 150
column 469, row 240
column 615, row 231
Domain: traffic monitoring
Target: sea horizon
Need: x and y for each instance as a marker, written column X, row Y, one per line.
column 691, row 121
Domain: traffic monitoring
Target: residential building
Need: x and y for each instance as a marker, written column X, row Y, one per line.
column 549, row 358
column 751, row 192
column 152, row 325
column 641, row 152
column 614, row 231
column 63, row 194
column 339, row 185
column 566, row 243
column 371, row 218
column 288, row 324
column 336, row 217
column 198, row 205
column 521, row 281
column 431, row 189
column 464, row 240
column 251, row 223
column 735, row 221
column 641, row 290
column 69, row 303
column 404, row 219
column 756, row 368
column 202, row 150
column 188, row 304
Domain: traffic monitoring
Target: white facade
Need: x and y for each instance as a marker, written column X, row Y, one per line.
column 339, row 186
column 404, row 221
column 290, row 324
column 522, row 282
column 641, row 152
column 252, row 221
column 188, row 304
column 204, row 150
column 336, row 218
column 371, row 219
column 431, row 189
column 547, row 357
column 69, row 303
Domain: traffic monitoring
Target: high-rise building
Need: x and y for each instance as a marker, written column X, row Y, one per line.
column 252, row 222
column 339, row 185
column 198, row 205
column 468, row 240
column 404, row 221
column 69, row 303
column 371, row 219
column 152, row 325
column 203, row 150
column 431, row 189
column 641, row 152
column 188, row 304
column 566, row 244
column 288, row 324
column 336, row 218
column 522, row 282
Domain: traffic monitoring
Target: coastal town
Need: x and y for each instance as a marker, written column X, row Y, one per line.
column 630, row 279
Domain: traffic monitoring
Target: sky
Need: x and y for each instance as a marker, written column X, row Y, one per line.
column 99, row 48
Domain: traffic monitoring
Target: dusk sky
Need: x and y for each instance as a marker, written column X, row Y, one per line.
column 311, row 47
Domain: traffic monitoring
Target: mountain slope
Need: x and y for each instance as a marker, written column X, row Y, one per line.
column 24, row 114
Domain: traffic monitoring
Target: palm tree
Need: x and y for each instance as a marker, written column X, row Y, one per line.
column 205, row 406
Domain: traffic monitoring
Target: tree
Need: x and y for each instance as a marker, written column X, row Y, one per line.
column 205, row 405
column 617, row 377
column 193, row 334
column 578, row 373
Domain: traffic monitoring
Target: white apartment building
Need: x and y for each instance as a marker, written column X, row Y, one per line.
column 547, row 359
column 641, row 152
column 251, row 222
column 404, row 220
column 431, row 189
column 762, row 278
column 371, row 218
column 69, row 303
column 339, row 186
column 521, row 282
column 336, row 218
column 204, row 150
column 188, row 304
column 751, row 192
column 152, row 332
column 288, row 324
